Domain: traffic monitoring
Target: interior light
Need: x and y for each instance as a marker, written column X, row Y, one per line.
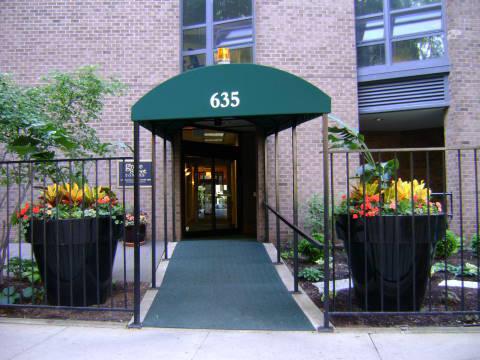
column 223, row 56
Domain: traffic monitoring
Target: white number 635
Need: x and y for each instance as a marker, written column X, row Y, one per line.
column 225, row 99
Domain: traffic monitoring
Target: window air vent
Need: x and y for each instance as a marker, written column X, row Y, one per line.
column 403, row 95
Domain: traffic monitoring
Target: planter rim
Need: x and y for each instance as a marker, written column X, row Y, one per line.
column 393, row 215
column 70, row 219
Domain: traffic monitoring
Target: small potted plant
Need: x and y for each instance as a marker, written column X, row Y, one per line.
column 129, row 228
column 74, row 233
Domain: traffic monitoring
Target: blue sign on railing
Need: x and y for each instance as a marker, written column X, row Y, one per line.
column 125, row 173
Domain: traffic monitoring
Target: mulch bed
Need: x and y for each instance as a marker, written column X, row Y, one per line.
column 434, row 300
column 118, row 298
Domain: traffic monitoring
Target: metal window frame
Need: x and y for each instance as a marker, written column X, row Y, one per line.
column 209, row 28
column 407, row 68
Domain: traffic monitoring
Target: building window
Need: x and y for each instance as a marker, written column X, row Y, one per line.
column 210, row 24
column 399, row 33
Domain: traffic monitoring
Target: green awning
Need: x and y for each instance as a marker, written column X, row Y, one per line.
column 231, row 95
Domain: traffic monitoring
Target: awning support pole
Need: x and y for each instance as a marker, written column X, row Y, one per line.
column 326, row 233
column 154, row 209
column 174, row 232
column 136, row 224
column 165, row 204
column 295, row 206
column 277, row 197
column 265, row 164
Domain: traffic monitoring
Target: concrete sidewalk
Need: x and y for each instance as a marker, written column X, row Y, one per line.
column 73, row 340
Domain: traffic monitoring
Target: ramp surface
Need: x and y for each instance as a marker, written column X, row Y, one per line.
column 224, row 284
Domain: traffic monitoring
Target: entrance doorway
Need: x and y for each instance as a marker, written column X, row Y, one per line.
column 211, row 194
column 218, row 186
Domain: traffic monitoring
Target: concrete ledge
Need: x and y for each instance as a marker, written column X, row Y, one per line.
column 62, row 322
column 311, row 311
column 149, row 296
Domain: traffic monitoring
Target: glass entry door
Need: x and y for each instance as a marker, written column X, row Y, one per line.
column 210, row 194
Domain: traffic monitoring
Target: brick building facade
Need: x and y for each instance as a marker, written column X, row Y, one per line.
column 139, row 42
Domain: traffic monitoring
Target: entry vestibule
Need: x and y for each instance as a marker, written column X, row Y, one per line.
column 218, row 185
column 251, row 100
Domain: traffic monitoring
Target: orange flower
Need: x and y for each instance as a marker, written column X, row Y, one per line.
column 105, row 200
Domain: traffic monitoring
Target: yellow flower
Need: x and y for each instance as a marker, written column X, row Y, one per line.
column 370, row 189
column 404, row 191
column 53, row 193
column 73, row 194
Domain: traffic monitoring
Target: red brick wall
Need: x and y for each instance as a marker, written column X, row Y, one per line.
column 462, row 124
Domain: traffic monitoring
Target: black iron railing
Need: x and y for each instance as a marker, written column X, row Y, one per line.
column 63, row 223
column 303, row 234
column 397, row 248
column 387, row 255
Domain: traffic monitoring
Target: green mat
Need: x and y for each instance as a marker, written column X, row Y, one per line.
column 224, row 284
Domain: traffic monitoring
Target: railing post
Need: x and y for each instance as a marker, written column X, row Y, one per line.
column 326, row 234
column 295, row 206
column 136, row 215
column 277, row 197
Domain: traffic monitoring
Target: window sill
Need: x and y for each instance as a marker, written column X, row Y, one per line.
column 407, row 69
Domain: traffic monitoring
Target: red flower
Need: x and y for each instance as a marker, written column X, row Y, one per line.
column 355, row 216
column 344, row 197
column 36, row 210
column 25, row 209
column 25, row 217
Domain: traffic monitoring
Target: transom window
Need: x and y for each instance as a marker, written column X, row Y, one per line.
column 210, row 24
column 395, row 32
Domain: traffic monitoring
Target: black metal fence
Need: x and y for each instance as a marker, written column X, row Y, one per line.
column 407, row 244
column 62, row 235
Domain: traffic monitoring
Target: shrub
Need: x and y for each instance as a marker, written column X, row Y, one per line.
column 287, row 254
column 475, row 244
column 311, row 274
column 448, row 245
column 314, row 217
column 310, row 251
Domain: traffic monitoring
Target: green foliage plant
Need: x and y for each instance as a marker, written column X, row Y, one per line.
column 469, row 269
column 286, row 254
column 314, row 216
column 475, row 244
column 308, row 250
column 447, row 246
column 27, row 271
column 311, row 274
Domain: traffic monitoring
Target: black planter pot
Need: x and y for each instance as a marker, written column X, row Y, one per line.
column 75, row 258
column 385, row 260
column 130, row 234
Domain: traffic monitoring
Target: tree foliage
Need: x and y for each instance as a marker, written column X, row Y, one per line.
column 54, row 118
column 48, row 121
